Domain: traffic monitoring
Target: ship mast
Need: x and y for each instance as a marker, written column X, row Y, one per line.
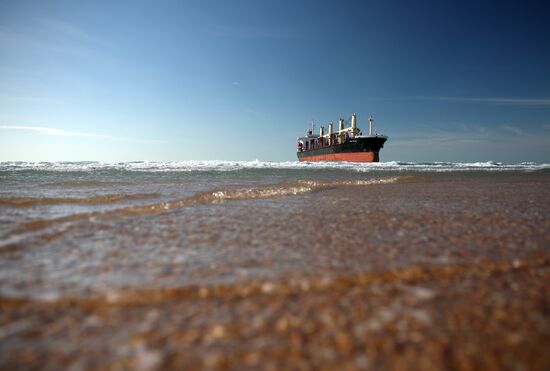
column 371, row 120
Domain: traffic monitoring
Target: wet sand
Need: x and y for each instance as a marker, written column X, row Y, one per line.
column 445, row 271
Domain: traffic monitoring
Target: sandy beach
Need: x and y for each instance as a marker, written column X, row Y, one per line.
column 427, row 271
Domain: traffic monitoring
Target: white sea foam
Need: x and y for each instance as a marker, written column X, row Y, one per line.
column 182, row 166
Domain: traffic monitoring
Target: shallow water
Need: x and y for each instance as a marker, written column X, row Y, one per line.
column 291, row 265
column 81, row 228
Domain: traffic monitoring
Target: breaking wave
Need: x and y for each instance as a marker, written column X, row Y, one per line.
column 188, row 166
column 291, row 189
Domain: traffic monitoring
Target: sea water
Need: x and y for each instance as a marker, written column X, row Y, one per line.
column 228, row 264
column 74, row 228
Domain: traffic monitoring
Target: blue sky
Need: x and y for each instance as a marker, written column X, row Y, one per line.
column 240, row 80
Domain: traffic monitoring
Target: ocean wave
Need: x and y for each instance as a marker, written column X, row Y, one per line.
column 211, row 197
column 21, row 202
column 80, row 183
column 190, row 166
column 289, row 189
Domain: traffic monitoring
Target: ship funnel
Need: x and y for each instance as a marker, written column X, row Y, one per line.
column 353, row 122
column 340, row 124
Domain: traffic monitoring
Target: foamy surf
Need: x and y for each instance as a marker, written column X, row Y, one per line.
column 190, row 166
column 300, row 187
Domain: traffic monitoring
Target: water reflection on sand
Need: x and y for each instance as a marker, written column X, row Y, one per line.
column 274, row 269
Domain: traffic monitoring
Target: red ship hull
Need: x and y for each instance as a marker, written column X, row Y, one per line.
column 348, row 157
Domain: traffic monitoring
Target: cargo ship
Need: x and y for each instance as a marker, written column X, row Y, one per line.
column 347, row 144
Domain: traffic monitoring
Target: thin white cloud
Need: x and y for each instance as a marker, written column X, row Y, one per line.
column 492, row 100
column 512, row 129
column 459, row 142
column 63, row 27
column 462, row 133
column 54, row 36
column 438, row 139
column 69, row 30
column 481, row 129
column 53, row 131
column 11, row 39
column 66, row 133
